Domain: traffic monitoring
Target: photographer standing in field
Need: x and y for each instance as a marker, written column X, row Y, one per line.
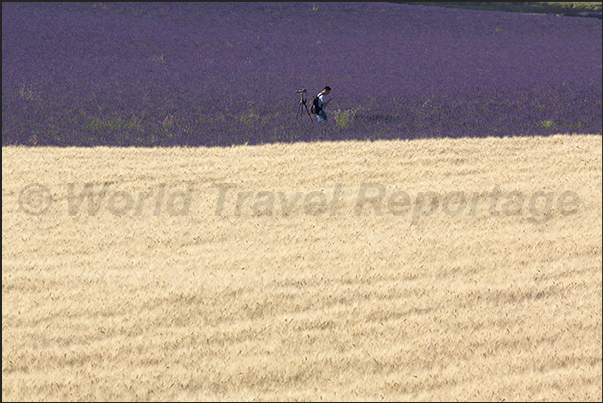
column 319, row 104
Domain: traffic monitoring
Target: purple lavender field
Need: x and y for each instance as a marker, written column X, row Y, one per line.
column 217, row 74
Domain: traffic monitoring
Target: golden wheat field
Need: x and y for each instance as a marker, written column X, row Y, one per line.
column 436, row 269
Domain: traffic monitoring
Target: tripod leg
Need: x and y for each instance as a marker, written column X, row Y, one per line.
column 300, row 109
column 307, row 110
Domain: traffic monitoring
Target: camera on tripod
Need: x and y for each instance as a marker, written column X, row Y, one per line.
column 302, row 104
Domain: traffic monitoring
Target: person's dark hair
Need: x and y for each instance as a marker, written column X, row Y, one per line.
column 327, row 88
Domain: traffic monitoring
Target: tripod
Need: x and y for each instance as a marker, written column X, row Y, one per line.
column 302, row 104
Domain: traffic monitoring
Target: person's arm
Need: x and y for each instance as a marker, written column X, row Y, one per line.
column 325, row 103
